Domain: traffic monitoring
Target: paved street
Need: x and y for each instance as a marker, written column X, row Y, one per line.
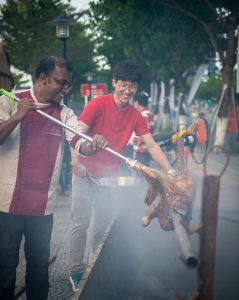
column 147, row 265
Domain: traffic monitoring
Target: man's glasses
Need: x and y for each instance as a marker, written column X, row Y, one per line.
column 62, row 82
column 124, row 86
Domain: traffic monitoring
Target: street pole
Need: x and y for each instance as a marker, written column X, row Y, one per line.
column 62, row 24
column 64, row 47
column 66, row 159
column 89, row 90
column 89, row 79
column 64, row 55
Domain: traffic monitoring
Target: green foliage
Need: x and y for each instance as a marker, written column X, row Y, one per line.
column 210, row 89
column 19, row 80
column 28, row 38
column 164, row 42
column 219, row 20
column 80, row 53
column 25, row 32
column 169, row 38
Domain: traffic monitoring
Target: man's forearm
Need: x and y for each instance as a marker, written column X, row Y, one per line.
column 89, row 148
column 158, row 156
column 7, row 127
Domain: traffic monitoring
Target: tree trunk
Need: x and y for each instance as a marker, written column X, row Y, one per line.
column 221, row 129
column 228, row 64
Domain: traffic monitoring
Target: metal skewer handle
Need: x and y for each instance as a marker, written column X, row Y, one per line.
column 81, row 134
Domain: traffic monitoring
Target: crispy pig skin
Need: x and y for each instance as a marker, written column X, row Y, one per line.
column 169, row 195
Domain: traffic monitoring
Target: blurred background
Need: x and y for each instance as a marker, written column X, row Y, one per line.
column 188, row 51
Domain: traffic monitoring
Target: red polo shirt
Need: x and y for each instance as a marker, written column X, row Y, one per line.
column 116, row 124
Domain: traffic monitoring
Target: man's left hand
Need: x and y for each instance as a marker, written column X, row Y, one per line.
column 98, row 143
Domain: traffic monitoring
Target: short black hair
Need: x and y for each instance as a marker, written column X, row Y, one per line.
column 48, row 64
column 142, row 98
column 127, row 70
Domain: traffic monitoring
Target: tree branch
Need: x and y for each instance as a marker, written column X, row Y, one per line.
column 174, row 5
column 213, row 10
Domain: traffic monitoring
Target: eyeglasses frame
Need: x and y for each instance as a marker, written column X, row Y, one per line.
column 64, row 85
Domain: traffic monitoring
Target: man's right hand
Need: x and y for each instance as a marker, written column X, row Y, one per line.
column 10, row 124
column 24, row 106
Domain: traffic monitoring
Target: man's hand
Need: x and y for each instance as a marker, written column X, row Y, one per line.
column 24, row 106
column 98, row 143
column 9, row 125
column 134, row 164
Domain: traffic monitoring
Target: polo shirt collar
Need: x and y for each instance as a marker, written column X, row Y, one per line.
column 39, row 104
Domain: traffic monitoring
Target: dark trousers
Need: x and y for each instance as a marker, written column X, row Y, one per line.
column 37, row 233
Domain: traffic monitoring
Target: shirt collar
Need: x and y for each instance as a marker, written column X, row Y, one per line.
column 39, row 104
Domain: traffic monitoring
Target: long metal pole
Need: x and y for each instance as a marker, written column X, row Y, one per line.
column 188, row 255
column 66, row 156
column 64, row 48
column 64, row 55
column 81, row 134
column 90, row 90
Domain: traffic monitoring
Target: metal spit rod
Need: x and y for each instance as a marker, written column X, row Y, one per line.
column 81, row 134
column 188, row 255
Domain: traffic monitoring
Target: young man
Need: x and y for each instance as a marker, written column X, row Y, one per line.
column 113, row 116
column 30, row 159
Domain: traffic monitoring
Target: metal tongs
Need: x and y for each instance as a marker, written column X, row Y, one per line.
column 93, row 180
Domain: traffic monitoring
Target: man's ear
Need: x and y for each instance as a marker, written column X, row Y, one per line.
column 43, row 78
column 114, row 82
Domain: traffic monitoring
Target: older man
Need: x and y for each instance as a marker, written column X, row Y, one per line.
column 30, row 159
